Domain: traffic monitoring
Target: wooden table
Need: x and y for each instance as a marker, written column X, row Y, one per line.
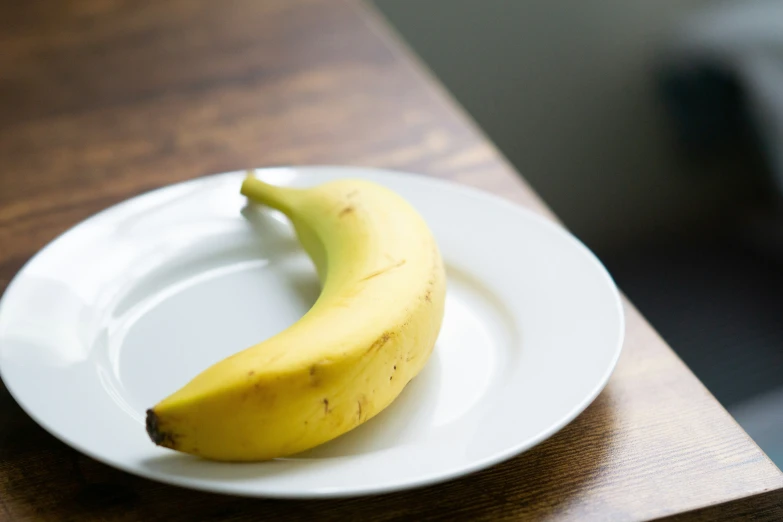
column 104, row 99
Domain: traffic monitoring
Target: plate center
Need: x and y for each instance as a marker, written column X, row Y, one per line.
column 181, row 327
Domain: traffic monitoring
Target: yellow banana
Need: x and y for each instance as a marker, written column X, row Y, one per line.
column 369, row 333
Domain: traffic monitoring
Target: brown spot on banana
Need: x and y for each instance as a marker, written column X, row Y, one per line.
column 315, row 376
column 361, row 407
column 383, row 270
column 380, row 341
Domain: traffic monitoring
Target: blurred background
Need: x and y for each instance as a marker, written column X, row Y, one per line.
column 654, row 129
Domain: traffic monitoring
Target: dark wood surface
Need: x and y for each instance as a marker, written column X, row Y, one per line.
column 104, row 99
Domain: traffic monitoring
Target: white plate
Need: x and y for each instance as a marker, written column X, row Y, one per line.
column 127, row 306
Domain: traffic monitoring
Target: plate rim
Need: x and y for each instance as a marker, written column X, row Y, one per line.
column 222, row 487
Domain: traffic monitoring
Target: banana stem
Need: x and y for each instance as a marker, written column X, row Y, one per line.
column 266, row 194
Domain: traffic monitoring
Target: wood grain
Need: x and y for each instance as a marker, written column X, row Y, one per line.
column 104, row 99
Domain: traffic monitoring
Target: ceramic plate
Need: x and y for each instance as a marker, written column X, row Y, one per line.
column 127, row 306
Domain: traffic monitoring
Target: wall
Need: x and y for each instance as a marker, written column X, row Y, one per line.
column 565, row 90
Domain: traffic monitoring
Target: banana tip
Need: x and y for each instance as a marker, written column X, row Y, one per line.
column 152, row 428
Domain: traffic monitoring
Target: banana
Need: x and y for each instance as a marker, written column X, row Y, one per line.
column 371, row 330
